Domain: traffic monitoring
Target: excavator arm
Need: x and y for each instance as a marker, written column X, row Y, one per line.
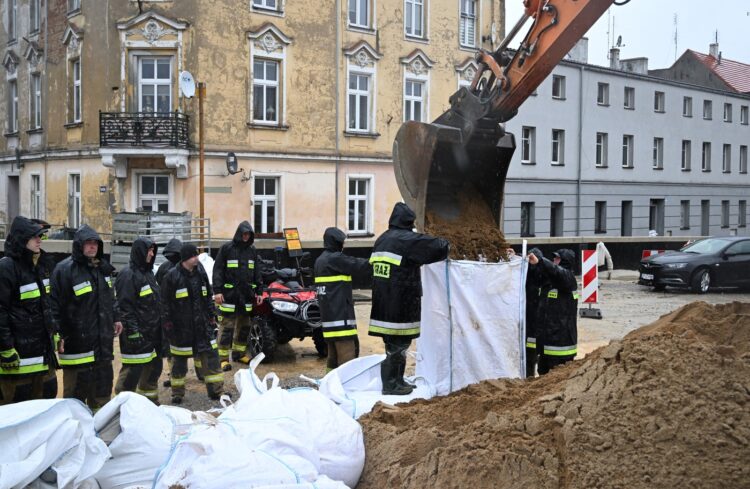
column 466, row 149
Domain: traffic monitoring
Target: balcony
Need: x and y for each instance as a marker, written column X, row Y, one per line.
column 145, row 135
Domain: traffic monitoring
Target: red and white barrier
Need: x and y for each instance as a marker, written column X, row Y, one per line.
column 646, row 253
column 590, row 272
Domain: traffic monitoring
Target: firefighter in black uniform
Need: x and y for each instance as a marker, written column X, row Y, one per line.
column 139, row 301
column 557, row 331
column 397, row 291
column 333, row 279
column 534, row 284
column 172, row 254
column 27, row 356
column 84, row 307
column 189, row 319
column 236, row 278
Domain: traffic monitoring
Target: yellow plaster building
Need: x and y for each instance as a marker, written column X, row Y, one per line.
column 308, row 95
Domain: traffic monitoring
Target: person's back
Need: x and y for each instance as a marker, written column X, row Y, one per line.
column 172, row 254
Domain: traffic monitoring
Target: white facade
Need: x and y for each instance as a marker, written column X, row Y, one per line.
column 635, row 193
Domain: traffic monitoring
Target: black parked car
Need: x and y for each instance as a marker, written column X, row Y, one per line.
column 707, row 263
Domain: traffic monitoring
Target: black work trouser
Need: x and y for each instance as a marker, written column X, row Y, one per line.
column 548, row 362
column 142, row 378
column 206, row 366
column 393, row 367
column 19, row 388
column 90, row 383
column 532, row 357
column 234, row 331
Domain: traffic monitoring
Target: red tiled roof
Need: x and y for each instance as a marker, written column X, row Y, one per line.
column 735, row 74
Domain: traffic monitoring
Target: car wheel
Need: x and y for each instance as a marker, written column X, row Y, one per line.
column 701, row 281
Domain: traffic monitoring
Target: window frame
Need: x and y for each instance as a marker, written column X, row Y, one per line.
column 706, row 156
column 464, row 18
column 358, row 93
column 528, row 145
column 276, row 198
column 527, row 220
column 628, row 143
column 727, row 112
column 725, row 214
column 155, row 83
column 660, row 102
column 600, row 217
column 410, row 100
column 140, row 196
column 369, row 180
column 744, row 115
column 368, row 14
column 411, row 5
column 557, row 158
column 742, row 213
column 35, row 16
column 558, row 85
column 602, row 94
column 76, row 91
column 684, row 215
column 73, row 6
column 12, row 21
column 708, row 110
column 726, row 158
column 265, row 84
column 743, row 159
column 35, row 190
column 602, row 150
column 657, row 162
column 686, row 157
column 629, row 98
column 260, row 5
column 687, row 106
column 35, row 101
column 75, row 202
column 13, row 106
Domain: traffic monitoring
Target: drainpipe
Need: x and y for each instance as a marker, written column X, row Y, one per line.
column 580, row 151
column 337, row 156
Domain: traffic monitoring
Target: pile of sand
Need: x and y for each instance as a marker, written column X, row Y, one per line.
column 668, row 406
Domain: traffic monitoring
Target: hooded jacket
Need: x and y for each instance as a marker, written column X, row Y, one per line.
column 396, row 283
column 535, row 281
column 26, row 323
column 235, row 273
column 333, row 279
column 557, row 329
column 188, row 311
column 172, row 253
column 139, row 301
column 83, row 303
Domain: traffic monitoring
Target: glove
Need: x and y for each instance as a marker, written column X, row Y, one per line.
column 168, row 326
column 9, row 359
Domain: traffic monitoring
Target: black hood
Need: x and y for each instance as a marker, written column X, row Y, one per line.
column 83, row 234
column 244, row 227
column 21, row 231
column 139, row 252
column 567, row 258
column 402, row 217
column 333, row 239
column 537, row 252
column 172, row 250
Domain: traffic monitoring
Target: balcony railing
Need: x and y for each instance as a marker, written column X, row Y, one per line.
column 144, row 129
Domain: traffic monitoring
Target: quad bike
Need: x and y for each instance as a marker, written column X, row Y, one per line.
column 288, row 310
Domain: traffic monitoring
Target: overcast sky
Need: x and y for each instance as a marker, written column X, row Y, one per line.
column 647, row 28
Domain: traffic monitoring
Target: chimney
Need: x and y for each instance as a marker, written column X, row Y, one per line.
column 614, row 58
column 713, row 49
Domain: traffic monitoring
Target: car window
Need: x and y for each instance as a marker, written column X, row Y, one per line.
column 706, row 246
column 741, row 248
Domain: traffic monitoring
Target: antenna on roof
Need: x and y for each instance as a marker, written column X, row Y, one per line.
column 675, row 36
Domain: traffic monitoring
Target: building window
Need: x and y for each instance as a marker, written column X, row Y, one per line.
column 744, row 115
column 265, row 91
column 708, row 108
column 74, row 200
column 265, row 205
column 658, row 101
column 558, row 147
column 725, row 213
column 527, row 219
column 600, row 216
column 686, row 146
column 706, row 157
column 742, row 214
column 35, row 102
column 627, row 151
column 468, row 27
column 358, row 96
column 743, row 159
column 629, row 102
column 35, row 15
column 359, row 13
column 12, row 106
column 266, row 4
column 726, row 159
column 358, row 205
column 153, row 193
column 528, row 145
column 727, row 112
column 602, row 94
column 684, row 214
column 656, row 216
column 36, row 197
column 558, row 86
column 687, row 106
column 556, row 219
column 658, row 161
column 626, row 218
column 75, row 91
column 414, row 18
column 601, row 149
column 155, row 84
column 414, row 93
column 74, row 6
column 12, row 20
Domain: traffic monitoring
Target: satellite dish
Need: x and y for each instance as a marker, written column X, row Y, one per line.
column 619, row 41
column 187, row 84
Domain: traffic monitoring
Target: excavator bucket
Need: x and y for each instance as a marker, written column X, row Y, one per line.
column 436, row 170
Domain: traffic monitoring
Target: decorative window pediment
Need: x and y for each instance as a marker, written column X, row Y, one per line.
column 362, row 54
column 33, row 54
column 10, row 62
column 467, row 69
column 268, row 39
column 151, row 29
column 417, row 62
column 72, row 38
